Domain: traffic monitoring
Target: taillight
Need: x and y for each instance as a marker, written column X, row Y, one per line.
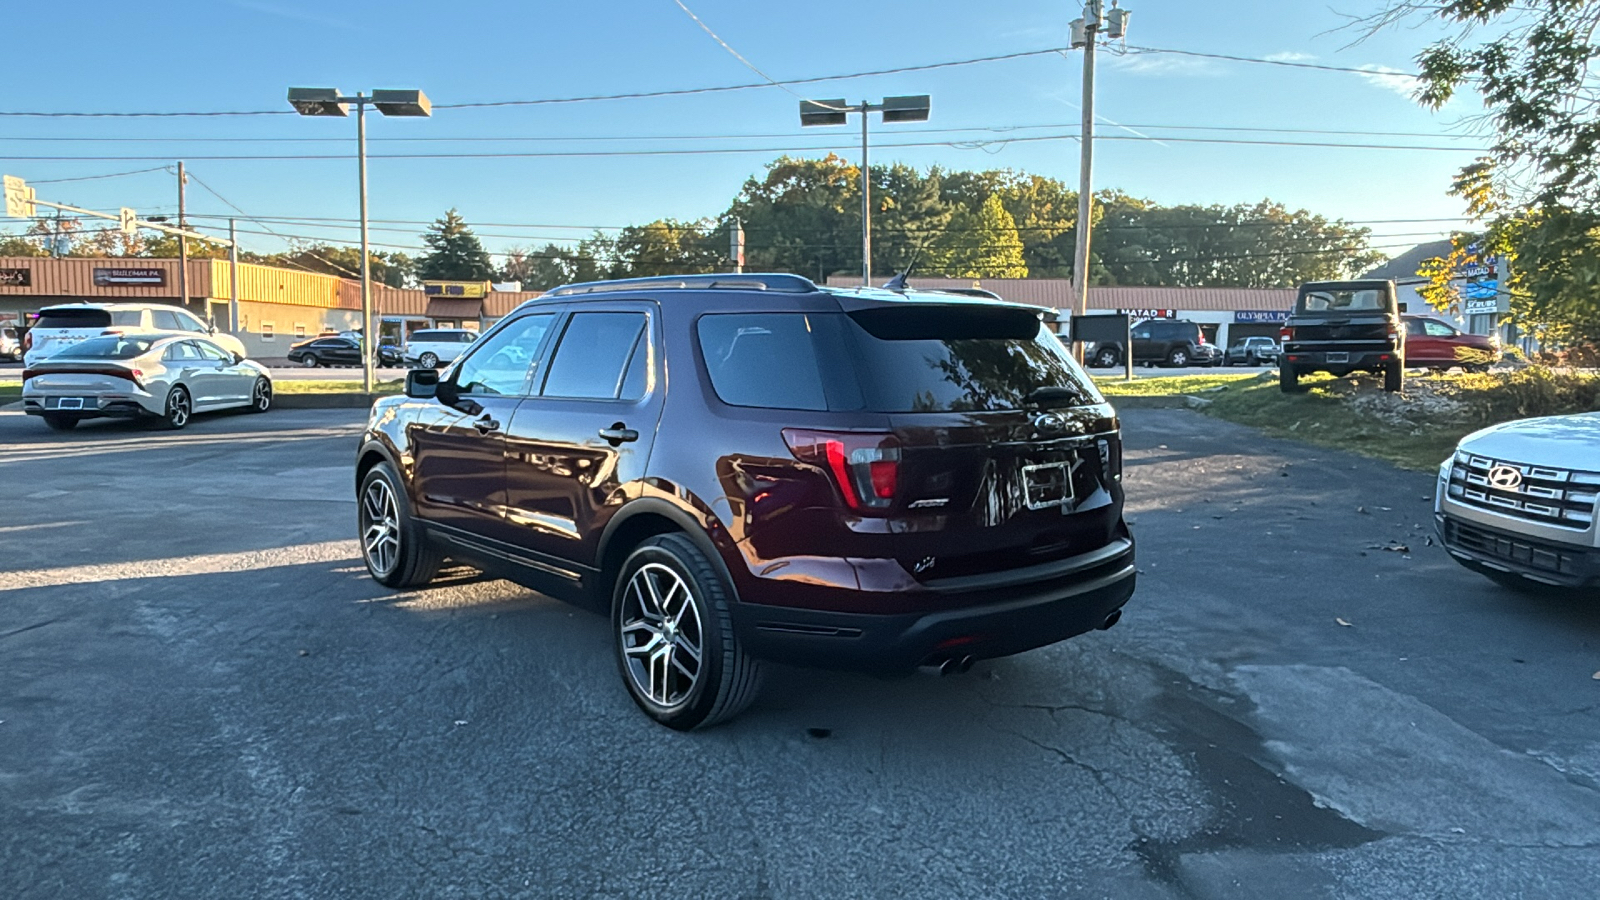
column 1202, row 337
column 138, row 377
column 111, row 331
column 1285, row 334
column 864, row 465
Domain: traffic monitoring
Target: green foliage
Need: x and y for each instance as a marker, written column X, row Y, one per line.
column 393, row 269
column 17, row 245
column 982, row 244
column 1526, row 393
column 663, row 247
column 454, row 253
column 550, row 266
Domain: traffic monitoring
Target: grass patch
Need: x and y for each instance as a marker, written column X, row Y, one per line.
column 1168, row 385
column 331, row 386
column 1415, row 429
column 10, row 390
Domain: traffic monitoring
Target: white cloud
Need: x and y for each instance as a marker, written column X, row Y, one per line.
column 1389, row 79
column 1291, row 56
column 1158, row 64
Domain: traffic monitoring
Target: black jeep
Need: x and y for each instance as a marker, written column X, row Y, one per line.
column 1343, row 327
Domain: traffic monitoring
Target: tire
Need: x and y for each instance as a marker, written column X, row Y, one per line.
column 179, row 408
column 1394, row 377
column 724, row 680
column 1105, row 358
column 59, row 422
column 394, row 546
column 428, row 360
column 1178, row 358
column 261, row 395
column 310, row 361
column 1289, row 380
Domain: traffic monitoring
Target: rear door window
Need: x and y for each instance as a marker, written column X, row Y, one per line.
column 73, row 318
column 593, row 355
column 128, row 318
column 744, row 351
column 166, row 320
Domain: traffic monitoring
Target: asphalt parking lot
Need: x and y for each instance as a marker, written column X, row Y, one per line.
column 203, row 695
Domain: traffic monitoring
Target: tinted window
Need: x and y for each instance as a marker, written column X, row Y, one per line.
column 1438, row 329
column 189, row 321
column 107, row 348
column 961, row 374
column 213, row 352
column 166, row 320
column 1142, row 331
column 594, row 351
column 1334, row 300
column 742, row 351
column 131, row 318
column 502, row 363
column 183, row 351
column 73, row 318
column 423, row 336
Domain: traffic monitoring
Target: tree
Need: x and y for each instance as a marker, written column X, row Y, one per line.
column 454, row 253
column 550, row 266
column 803, row 216
column 394, row 269
column 664, row 247
column 982, row 244
column 18, row 245
column 1538, row 190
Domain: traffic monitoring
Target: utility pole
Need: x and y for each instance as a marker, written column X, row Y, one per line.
column 866, row 203
column 369, row 340
column 233, row 276
column 183, row 241
column 1084, row 34
column 736, row 245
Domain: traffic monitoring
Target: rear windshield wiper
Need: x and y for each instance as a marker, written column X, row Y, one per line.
column 1053, row 396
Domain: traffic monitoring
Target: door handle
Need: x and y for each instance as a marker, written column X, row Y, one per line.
column 619, row 433
column 486, row 425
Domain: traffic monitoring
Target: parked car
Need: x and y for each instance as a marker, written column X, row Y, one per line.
column 1159, row 342
column 1433, row 344
column 896, row 499
column 169, row 377
column 1518, row 501
column 434, row 347
column 10, row 346
column 326, row 351
column 1252, row 351
column 59, row 327
column 1343, row 327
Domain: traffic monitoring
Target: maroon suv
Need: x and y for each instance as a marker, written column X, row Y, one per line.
column 747, row 468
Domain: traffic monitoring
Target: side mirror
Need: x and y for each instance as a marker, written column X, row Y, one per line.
column 422, row 384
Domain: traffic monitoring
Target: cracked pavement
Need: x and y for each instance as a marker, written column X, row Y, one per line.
column 203, row 695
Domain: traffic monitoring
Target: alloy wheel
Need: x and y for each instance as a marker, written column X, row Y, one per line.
column 261, row 397
column 178, row 408
column 662, row 635
column 380, row 527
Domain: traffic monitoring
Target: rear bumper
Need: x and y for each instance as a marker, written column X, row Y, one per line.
column 1339, row 360
column 116, row 409
column 990, row 621
column 1480, row 546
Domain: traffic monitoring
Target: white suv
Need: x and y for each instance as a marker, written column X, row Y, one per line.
column 431, row 348
column 59, row 327
column 1518, row 502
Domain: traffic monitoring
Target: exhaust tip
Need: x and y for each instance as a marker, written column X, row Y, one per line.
column 1114, row 618
column 966, row 663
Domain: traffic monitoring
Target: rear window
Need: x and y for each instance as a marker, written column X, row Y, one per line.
column 1334, row 300
column 107, row 348
column 886, row 360
column 74, row 318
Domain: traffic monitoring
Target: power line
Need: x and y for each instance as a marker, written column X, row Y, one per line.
column 567, row 154
column 95, row 177
column 679, row 92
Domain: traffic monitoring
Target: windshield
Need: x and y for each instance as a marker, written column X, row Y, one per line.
column 118, row 347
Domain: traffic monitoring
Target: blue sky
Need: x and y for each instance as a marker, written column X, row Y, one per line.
column 188, row 55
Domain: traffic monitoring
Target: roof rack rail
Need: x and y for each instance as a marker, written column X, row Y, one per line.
column 786, row 284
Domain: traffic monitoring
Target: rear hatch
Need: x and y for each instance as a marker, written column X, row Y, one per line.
column 963, row 441
column 1359, row 312
column 62, row 327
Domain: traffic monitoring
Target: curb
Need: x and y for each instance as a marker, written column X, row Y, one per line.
column 1153, row 401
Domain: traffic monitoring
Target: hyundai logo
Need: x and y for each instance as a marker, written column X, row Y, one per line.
column 1506, row 478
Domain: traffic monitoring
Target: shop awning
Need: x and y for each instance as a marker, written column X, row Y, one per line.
column 454, row 308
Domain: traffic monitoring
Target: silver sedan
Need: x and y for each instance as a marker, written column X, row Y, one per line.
column 168, row 377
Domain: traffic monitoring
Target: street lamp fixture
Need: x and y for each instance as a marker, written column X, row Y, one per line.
column 331, row 102
column 837, row 112
column 1083, row 34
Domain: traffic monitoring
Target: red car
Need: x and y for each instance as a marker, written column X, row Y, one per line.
column 1433, row 344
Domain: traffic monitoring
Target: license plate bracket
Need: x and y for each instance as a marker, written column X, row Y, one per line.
column 1339, row 356
column 1047, row 485
column 69, row 403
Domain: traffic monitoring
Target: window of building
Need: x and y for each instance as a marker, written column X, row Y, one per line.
column 268, row 331
column 299, row 329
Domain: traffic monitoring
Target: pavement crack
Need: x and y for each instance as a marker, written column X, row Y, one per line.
column 16, row 631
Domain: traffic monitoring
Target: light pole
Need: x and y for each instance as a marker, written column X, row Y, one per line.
column 1084, row 33
column 329, row 102
column 835, row 112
